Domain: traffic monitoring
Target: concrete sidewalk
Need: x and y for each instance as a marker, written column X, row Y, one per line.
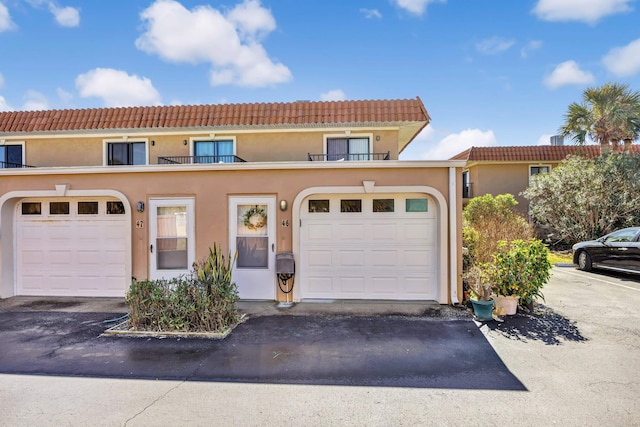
column 426, row 309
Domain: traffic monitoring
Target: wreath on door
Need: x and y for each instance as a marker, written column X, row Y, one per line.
column 255, row 218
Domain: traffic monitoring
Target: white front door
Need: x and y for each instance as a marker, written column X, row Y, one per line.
column 171, row 237
column 252, row 236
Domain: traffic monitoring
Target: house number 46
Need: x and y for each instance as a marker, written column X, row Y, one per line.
column 285, row 222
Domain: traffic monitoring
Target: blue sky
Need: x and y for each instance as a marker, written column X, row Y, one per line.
column 490, row 72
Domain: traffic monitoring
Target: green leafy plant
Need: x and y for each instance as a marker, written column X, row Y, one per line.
column 201, row 302
column 488, row 220
column 520, row 267
column 479, row 282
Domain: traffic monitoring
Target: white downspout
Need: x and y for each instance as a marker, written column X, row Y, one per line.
column 453, row 235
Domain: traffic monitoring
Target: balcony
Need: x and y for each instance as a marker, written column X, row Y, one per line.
column 9, row 165
column 348, row 157
column 186, row 160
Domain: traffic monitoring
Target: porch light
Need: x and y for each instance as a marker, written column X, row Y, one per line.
column 283, row 205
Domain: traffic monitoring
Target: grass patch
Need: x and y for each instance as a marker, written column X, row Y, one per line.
column 560, row 257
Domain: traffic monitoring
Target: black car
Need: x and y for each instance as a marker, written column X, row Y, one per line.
column 618, row 251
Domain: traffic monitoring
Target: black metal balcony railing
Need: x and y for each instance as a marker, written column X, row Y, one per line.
column 9, row 165
column 181, row 160
column 349, row 157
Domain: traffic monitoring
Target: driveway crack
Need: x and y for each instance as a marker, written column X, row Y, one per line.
column 158, row 399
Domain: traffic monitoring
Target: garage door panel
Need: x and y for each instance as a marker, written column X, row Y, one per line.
column 71, row 255
column 318, row 232
column 320, row 286
column 384, row 231
column 384, row 286
column 368, row 255
column 384, row 258
column 351, row 258
column 352, row 285
column 316, row 258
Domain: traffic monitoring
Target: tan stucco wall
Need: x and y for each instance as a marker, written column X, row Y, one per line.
column 512, row 178
column 211, row 188
column 253, row 147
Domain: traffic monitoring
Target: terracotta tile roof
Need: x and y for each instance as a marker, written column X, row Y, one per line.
column 530, row 153
column 289, row 114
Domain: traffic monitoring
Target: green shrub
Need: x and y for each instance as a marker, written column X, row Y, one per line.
column 486, row 221
column 202, row 302
column 520, row 267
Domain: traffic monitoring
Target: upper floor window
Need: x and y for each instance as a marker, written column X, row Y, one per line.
column 11, row 156
column 535, row 170
column 348, row 148
column 219, row 151
column 126, row 153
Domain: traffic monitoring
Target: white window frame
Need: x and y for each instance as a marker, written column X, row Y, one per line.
column 105, row 149
column 347, row 135
column 4, row 143
column 537, row 166
column 193, row 140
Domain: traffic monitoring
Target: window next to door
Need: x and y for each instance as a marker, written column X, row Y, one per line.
column 348, row 148
column 11, row 156
column 126, row 153
column 217, row 151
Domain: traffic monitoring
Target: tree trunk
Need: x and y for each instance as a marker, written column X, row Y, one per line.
column 604, row 148
column 627, row 146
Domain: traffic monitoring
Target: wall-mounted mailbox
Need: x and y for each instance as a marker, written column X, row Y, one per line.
column 285, row 263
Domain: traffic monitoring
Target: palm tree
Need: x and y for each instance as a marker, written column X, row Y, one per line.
column 607, row 115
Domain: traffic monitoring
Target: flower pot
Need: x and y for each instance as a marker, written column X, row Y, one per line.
column 482, row 309
column 506, row 305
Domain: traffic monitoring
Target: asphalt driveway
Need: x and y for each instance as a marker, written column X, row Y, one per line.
column 320, row 349
column 574, row 362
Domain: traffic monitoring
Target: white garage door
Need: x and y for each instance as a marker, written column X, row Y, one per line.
column 369, row 247
column 71, row 247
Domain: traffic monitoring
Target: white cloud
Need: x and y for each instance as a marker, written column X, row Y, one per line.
column 6, row 23
column 371, row 13
column 35, row 101
column 545, row 139
column 529, row 47
column 568, row 73
column 416, row 7
column 423, row 148
column 333, row 95
column 229, row 42
column 117, row 88
column 624, row 61
column 65, row 16
column 494, row 45
column 4, row 105
column 64, row 96
column 589, row 11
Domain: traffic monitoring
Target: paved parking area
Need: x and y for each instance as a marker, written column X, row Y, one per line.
column 574, row 363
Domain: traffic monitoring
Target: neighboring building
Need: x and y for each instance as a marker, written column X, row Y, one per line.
column 91, row 198
column 499, row 170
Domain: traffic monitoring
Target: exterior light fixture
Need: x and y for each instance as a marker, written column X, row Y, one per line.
column 140, row 206
column 283, row 205
column 184, row 142
column 153, row 142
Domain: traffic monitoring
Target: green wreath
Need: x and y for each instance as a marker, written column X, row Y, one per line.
column 255, row 225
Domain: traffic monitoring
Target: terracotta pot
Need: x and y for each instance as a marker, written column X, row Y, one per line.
column 506, row 305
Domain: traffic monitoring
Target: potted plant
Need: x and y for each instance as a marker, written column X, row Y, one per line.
column 480, row 288
column 519, row 270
